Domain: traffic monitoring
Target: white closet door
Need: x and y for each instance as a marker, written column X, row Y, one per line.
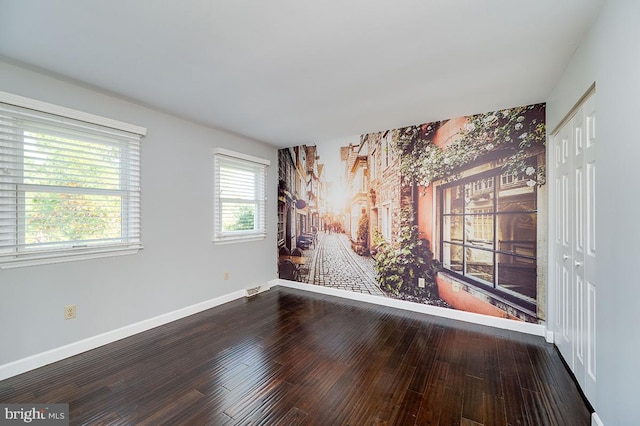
column 574, row 244
column 564, row 318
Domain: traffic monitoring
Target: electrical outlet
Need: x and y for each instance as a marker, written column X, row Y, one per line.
column 421, row 282
column 226, row 276
column 69, row 312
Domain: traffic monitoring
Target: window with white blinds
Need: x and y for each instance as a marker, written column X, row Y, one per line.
column 69, row 184
column 239, row 196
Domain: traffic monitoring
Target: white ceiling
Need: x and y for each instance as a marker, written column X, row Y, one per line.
column 292, row 71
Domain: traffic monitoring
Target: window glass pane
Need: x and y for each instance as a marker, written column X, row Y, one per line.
column 52, row 217
column 517, row 274
column 282, row 213
column 516, row 195
column 386, row 223
column 454, row 199
column 479, row 229
column 479, row 196
column 479, row 264
column 453, row 229
column 58, row 161
column 517, row 233
column 452, row 257
column 237, row 183
column 238, row 216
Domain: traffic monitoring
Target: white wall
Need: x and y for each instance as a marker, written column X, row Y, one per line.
column 179, row 265
column 610, row 57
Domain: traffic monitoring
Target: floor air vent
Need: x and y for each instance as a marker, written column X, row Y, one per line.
column 255, row 290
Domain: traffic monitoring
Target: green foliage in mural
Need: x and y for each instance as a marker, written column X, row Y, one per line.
column 511, row 133
column 363, row 230
column 377, row 241
column 399, row 265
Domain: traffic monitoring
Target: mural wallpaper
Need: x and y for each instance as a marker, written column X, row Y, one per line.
column 443, row 213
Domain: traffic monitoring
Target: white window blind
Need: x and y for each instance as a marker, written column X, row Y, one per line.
column 69, row 188
column 239, row 196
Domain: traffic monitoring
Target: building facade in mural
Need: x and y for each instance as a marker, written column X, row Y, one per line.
column 301, row 202
column 452, row 206
column 480, row 183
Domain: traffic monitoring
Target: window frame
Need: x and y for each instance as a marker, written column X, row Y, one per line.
column 387, row 142
column 493, row 287
column 249, row 162
column 387, row 221
column 373, row 165
column 18, row 253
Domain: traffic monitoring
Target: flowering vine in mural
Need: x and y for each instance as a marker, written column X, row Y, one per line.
column 509, row 132
column 401, row 264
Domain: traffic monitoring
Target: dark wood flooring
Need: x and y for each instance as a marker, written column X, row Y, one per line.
column 287, row 357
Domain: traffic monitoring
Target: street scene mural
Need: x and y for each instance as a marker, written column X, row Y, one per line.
column 442, row 213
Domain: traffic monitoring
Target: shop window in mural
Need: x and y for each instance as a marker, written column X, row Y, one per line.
column 489, row 233
column 442, row 213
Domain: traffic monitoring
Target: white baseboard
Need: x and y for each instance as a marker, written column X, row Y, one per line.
column 550, row 338
column 595, row 420
column 503, row 323
column 39, row 360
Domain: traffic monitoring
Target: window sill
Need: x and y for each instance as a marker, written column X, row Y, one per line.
column 44, row 258
column 238, row 240
column 520, row 303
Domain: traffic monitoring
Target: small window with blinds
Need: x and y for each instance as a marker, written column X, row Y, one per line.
column 239, row 196
column 69, row 184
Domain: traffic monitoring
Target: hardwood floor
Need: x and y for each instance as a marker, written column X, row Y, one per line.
column 288, row 357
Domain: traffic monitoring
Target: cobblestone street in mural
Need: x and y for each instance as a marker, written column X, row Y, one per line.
column 333, row 264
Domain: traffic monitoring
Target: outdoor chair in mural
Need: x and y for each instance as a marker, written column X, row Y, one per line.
column 287, row 270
